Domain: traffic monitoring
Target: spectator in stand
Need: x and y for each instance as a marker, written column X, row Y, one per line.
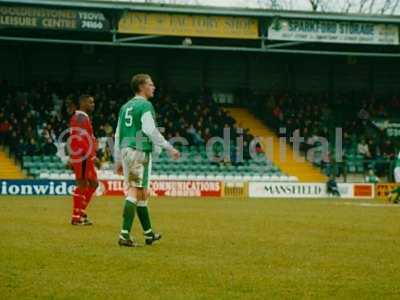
column 206, row 134
column 195, row 136
column 49, row 148
column 371, row 177
column 388, row 150
column 363, row 150
column 4, row 128
column 105, row 156
column 32, row 148
column 363, row 113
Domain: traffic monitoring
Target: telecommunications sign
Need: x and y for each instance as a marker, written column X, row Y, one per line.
column 188, row 25
column 333, row 32
column 52, row 18
column 159, row 188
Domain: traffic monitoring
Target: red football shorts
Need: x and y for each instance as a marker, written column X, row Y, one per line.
column 85, row 169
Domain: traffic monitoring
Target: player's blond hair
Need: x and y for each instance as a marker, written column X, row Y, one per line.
column 138, row 80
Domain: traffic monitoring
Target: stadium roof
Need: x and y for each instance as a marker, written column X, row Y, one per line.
column 260, row 44
column 211, row 10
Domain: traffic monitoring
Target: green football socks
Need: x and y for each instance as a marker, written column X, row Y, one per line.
column 128, row 216
column 144, row 217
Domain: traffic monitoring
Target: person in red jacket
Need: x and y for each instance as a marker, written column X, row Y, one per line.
column 82, row 149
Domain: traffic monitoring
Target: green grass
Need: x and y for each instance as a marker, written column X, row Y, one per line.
column 212, row 249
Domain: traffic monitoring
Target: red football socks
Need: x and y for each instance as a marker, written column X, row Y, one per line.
column 88, row 193
column 78, row 201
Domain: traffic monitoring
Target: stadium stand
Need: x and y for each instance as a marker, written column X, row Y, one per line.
column 32, row 128
column 364, row 146
column 8, row 169
column 32, row 119
column 303, row 170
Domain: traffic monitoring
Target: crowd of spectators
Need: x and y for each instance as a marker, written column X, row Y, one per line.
column 316, row 116
column 33, row 119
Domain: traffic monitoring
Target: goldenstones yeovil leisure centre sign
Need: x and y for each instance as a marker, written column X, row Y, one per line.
column 333, row 31
column 49, row 18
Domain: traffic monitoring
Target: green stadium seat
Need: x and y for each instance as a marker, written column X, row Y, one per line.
column 351, row 167
column 164, row 168
column 46, row 158
column 173, row 168
column 55, row 158
column 185, row 168
column 28, row 164
column 26, row 159
column 241, row 168
column 51, row 166
column 35, row 165
column 36, row 158
column 359, row 166
column 60, row 165
column 213, row 168
column 35, row 172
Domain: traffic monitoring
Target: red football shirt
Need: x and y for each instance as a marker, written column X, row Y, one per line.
column 82, row 140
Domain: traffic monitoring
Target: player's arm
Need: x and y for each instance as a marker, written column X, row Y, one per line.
column 80, row 137
column 117, row 150
column 149, row 128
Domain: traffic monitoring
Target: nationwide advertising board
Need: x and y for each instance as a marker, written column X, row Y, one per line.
column 37, row 187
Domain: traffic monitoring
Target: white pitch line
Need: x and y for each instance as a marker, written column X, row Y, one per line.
column 366, row 204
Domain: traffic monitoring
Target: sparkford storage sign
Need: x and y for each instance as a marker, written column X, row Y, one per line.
column 58, row 19
column 333, row 32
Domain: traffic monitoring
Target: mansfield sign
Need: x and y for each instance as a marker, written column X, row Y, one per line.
column 333, row 31
column 308, row 190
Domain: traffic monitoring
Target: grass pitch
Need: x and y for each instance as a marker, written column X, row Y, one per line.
column 212, row 249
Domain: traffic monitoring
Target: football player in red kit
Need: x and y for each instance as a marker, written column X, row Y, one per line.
column 82, row 148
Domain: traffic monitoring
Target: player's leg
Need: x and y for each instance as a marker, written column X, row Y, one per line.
column 143, row 211
column 131, row 170
column 397, row 174
column 397, row 198
column 91, row 186
column 78, row 195
column 128, row 216
column 336, row 191
column 142, row 204
column 394, row 195
column 78, row 198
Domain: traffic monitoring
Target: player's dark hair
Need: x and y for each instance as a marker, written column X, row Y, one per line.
column 138, row 80
column 83, row 98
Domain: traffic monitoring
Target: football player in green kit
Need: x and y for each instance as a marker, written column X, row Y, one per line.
column 136, row 137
